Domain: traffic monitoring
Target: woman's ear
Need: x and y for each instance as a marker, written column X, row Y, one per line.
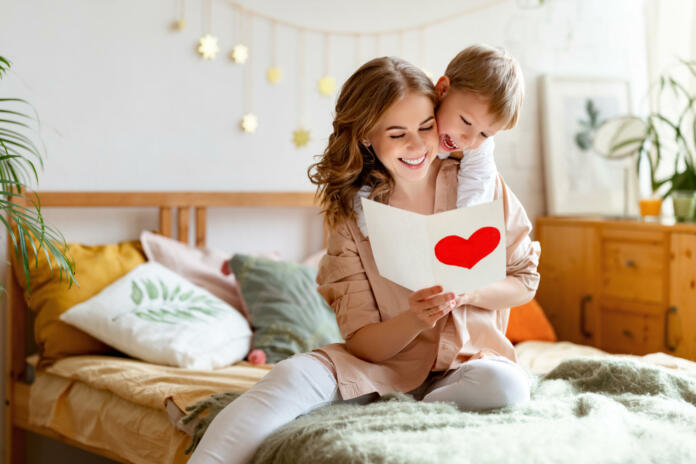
column 442, row 87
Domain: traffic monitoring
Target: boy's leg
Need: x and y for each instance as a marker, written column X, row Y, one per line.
column 486, row 383
column 293, row 387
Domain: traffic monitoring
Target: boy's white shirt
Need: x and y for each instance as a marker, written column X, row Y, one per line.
column 476, row 181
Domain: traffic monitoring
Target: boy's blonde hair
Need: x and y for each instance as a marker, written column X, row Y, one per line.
column 491, row 73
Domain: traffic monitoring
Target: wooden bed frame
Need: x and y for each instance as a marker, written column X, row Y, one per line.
column 18, row 319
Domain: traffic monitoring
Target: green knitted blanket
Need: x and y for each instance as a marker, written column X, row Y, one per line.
column 586, row 410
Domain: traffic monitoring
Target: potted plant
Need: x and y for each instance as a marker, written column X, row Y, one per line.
column 18, row 154
column 676, row 135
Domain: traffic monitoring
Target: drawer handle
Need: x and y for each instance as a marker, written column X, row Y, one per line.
column 630, row 263
column 627, row 333
column 670, row 310
column 583, row 308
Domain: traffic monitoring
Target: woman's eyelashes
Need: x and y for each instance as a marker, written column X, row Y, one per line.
column 430, row 127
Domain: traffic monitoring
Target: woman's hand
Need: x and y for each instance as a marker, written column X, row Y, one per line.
column 428, row 305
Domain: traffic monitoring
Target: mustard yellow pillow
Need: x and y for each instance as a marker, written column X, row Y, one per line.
column 96, row 266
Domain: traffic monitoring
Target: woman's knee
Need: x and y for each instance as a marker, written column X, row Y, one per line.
column 303, row 371
column 504, row 384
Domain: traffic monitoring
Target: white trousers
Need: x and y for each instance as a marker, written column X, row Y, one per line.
column 300, row 384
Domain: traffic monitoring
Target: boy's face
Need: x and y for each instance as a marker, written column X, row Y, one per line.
column 463, row 119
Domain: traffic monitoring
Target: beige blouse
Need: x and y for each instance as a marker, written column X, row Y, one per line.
column 351, row 284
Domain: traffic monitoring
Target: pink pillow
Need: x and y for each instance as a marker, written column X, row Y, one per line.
column 199, row 265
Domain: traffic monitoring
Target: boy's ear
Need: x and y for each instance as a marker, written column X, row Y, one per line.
column 442, row 86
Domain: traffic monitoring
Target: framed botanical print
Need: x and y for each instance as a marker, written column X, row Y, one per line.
column 580, row 181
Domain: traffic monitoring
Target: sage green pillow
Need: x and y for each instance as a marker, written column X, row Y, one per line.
column 287, row 313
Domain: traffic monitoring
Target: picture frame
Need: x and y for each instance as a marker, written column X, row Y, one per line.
column 578, row 180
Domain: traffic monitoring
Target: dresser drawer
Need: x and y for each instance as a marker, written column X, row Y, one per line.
column 633, row 270
column 634, row 333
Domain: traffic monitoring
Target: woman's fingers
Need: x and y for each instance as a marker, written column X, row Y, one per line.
column 437, row 300
column 426, row 292
column 429, row 304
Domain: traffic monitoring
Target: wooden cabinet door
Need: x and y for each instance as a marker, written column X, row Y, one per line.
column 680, row 317
column 567, row 290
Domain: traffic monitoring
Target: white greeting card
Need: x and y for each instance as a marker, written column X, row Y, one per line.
column 461, row 249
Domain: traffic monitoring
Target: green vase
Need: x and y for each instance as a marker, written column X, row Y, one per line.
column 684, row 202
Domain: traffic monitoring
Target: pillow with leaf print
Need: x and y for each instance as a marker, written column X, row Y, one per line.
column 156, row 315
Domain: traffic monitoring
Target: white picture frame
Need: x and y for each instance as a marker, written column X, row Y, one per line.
column 578, row 180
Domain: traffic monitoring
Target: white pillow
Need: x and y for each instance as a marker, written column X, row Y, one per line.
column 156, row 315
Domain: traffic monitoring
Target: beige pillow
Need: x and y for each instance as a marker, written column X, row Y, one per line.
column 202, row 266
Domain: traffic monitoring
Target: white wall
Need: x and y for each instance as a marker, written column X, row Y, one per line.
column 127, row 104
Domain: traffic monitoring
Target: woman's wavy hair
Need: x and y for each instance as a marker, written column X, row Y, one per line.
column 346, row 165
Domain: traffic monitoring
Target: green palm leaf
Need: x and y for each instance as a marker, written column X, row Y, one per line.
column 25, row 225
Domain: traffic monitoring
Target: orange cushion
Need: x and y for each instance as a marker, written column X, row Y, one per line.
column 96, row 266
column 528, row 322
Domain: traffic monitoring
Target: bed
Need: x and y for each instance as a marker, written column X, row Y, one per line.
column 129, row 410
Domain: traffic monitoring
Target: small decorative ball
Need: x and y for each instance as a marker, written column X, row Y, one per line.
column 257, row 356
column 327, row 85
column 274, row 75
column 179, row 25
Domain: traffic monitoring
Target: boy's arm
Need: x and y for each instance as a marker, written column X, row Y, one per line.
column 504, row 294
column 522, row 253
column 477, row 176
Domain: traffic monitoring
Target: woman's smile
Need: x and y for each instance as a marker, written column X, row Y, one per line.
column 414, row 163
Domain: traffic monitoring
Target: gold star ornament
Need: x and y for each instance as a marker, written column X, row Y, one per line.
column 274, row 75
column 300, row 137
column 239, row 54
column 327, row 85
column 249, row 122
column 208, row 46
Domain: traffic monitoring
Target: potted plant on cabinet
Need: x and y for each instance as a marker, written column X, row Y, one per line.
column 674, row 134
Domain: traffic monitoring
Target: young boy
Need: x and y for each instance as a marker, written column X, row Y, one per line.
column 480, row 94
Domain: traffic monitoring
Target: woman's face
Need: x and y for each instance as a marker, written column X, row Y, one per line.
column 405, row 138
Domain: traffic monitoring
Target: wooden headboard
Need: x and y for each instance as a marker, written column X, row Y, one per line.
column 17, row 317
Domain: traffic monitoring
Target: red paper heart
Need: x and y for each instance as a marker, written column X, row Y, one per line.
column 458, row 251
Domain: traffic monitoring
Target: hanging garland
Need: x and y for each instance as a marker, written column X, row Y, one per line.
column 274, row 74
column 207, row 45
column 249, row 121
column 300, row 136
column 242, row 52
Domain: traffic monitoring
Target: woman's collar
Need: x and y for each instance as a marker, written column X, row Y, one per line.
column 365, row 191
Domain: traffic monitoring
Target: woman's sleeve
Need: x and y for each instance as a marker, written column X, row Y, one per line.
column 344, row 284
column 522, row 253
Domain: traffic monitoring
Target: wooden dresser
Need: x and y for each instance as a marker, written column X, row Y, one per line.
column 624, row 286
